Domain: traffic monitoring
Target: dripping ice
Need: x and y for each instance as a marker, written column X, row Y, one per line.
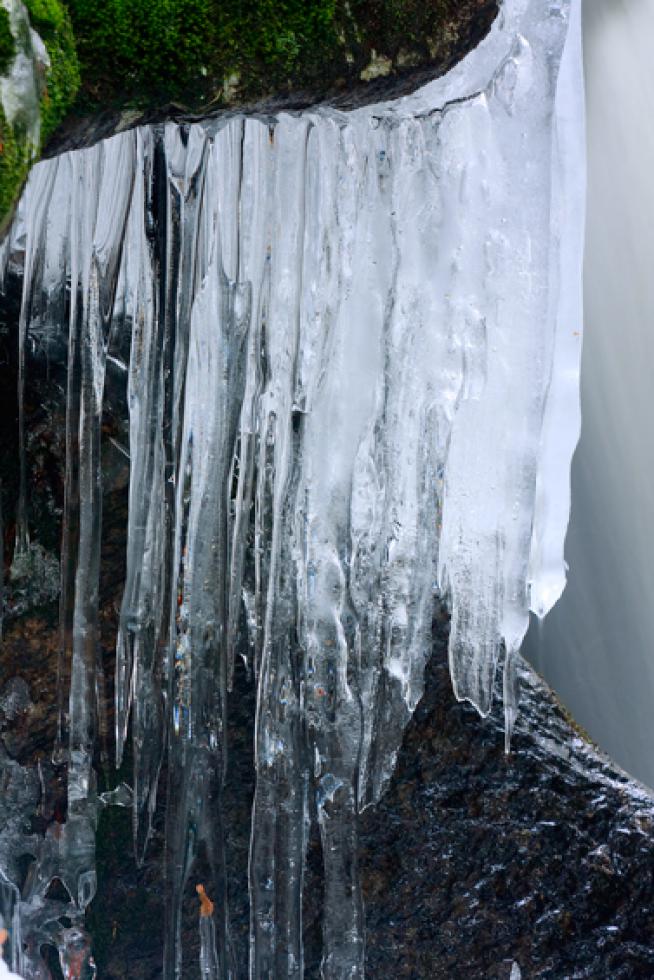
column 348, row 344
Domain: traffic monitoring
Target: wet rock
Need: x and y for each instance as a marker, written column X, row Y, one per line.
column 472, row 862
column 475, row 860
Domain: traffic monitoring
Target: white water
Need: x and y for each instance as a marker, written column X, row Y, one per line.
column 352, row 388
column 596, row 647
column 21, row 87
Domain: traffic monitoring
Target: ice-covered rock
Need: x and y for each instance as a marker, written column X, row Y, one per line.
column 349, row 345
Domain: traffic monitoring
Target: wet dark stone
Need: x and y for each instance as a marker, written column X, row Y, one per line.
column 472, row 861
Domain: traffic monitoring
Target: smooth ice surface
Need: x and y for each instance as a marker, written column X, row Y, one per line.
column 345, row 344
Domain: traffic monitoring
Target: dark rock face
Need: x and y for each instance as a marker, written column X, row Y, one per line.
column 474, row 860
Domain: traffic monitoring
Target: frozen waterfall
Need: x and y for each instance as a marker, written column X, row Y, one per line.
column 349, row 344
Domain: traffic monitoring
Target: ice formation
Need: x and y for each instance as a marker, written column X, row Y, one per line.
column 349, row 344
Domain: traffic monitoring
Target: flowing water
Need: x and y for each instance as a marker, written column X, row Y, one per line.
column 595, row 647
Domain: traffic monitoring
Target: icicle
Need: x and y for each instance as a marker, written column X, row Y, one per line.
column 213, row 395
column 562, row 419
column 11, row 944
column 209, row 959
column 511, row 694
column 39, row 191
column 5, row 973
column 107, row 172
column 143, row 618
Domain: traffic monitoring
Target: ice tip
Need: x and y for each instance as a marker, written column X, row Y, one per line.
column 509, row 722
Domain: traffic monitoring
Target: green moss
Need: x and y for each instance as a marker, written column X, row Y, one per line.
column 143, row 46
column 7, row 43
column 184, row 49
column 395, row 24
column 273, row 44
column 15, row 159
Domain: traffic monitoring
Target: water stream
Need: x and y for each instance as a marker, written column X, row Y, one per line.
column 595, row 647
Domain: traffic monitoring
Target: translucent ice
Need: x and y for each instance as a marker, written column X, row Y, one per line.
column 351, row 390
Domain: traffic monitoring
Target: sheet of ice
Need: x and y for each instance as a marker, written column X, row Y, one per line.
column 349, row 379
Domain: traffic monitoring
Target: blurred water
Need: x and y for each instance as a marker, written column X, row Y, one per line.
column 596, row 646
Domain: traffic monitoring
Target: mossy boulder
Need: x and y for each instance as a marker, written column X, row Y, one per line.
column 39, row 81
column 200, row 53
column 14, row 163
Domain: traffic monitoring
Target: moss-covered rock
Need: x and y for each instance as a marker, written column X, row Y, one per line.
column 40, row 78
column 15, row 157
column 197, row 55
column 200, row 53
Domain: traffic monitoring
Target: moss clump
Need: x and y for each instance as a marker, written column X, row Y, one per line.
column 163, row 50
column 271, row 45
column 144, row 47
column 7, row 43
column 15, row 156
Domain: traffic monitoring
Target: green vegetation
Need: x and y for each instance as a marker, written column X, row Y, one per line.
column 14, row 162
column 7, row 43
column 272, row 44
column 139, row 50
